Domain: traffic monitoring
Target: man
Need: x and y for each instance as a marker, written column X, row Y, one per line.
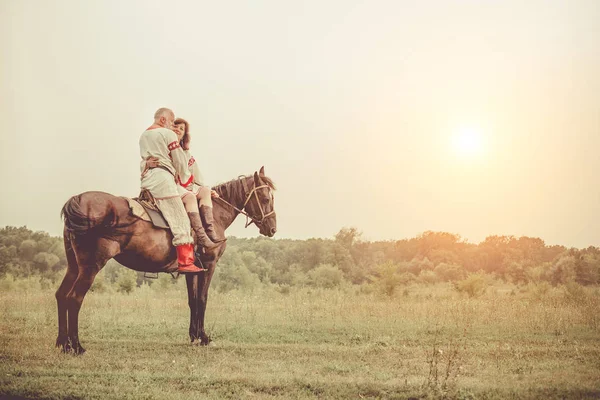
column 161, row 142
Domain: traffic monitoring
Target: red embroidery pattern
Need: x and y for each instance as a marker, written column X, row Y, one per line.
column 191, row 162
column 188, row 183
column 173, row 145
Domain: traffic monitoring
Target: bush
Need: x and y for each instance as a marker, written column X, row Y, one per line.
column 428, row 277
column 387, row 278
column 7, row 283
column 326, row 276
column 575, row 293
column 417, row 265
column 29, row 284
column 537, row 274
column 99, row 285
column 539, row 290
column 283, row 289
column 163, row 283
column 474, row 285
column 126, row 282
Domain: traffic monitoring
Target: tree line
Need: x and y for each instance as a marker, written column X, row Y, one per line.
column 345, row 259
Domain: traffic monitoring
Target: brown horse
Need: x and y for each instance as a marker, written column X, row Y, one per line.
column 100, row 226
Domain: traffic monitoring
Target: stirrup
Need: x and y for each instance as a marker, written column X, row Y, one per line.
column 189, row 269
column 198, row 260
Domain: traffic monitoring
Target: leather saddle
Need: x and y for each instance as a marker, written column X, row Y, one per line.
column 147, row 201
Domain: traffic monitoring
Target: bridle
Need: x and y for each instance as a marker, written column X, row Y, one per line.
column 249, row 218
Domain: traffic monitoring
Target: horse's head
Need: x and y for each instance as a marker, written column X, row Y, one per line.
column 252, row 196
column 260, row 203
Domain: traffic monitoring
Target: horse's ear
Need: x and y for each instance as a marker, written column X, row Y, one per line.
column 262, row 170
column 256, row 179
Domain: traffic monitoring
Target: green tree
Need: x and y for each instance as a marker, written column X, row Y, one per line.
column 517, row 272
column 229, row 277
column 587, row 268
column 449, row 272
column 563, row 270
column 257, row 265
column 27, row 249
column 7, row 255
column 44, row 262
column 347, row 237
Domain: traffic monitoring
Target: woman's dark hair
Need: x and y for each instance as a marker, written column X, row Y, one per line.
column 185, row 141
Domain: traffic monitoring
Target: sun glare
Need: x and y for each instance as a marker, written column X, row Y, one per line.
column 468, row 142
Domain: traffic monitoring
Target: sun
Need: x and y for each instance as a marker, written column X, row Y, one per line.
column 468, row 142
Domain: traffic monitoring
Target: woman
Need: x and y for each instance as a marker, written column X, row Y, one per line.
column 194, row 191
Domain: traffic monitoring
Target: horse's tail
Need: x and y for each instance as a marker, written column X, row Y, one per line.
column 97, row 213
column 76, row 221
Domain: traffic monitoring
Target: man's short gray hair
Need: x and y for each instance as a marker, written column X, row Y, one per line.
column 163, row 111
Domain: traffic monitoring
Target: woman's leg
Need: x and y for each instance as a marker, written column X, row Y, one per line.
column 191, row 206
column 204, row 197
column 190, row 203
column 206, row 212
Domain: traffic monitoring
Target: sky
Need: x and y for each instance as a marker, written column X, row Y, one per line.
column 395, row 117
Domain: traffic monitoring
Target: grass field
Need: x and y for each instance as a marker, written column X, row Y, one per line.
column 425, row 342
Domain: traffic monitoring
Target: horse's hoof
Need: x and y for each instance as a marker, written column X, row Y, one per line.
column 73, row 346
column 205, row 341
column 64, row 346
column 78, row 350
column 62, row 342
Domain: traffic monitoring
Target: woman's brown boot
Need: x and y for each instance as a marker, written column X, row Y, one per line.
column 208, row 220
column 202, row 240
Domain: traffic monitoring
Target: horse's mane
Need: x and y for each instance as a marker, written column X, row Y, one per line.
column 234, row 189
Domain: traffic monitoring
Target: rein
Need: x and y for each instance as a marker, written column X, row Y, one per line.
column 249, row 217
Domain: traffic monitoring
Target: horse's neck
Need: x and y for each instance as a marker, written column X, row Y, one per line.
column 225, row 214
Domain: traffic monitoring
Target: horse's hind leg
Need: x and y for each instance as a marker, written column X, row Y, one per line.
column 90, row 259
column 61, row 294
column 74, row 300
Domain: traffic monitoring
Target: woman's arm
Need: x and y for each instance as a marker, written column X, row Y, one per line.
column 195, row 170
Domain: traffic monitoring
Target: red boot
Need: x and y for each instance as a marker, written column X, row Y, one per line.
column 185, row 259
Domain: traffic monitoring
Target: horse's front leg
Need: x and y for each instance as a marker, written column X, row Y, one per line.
column 192, row 281
column 203, row 297
column 199, row 299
